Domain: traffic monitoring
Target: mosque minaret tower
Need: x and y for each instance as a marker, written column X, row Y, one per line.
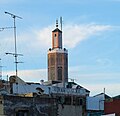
column 57, row 58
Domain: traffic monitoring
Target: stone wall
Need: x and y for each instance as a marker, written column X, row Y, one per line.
column 29, row 106
column 69, row 110
column 54, row 105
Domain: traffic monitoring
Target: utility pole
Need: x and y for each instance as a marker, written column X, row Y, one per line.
column 14, row 54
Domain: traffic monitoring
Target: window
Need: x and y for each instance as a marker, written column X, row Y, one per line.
column 68, row 100
column 55, row 40
column 0, row 102
column 81, row 101
column 22, row 113
column 52, row 73
column 59, row 73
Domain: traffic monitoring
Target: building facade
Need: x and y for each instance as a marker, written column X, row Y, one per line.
column 112, row 106
column 57, row 58
column 11, row 105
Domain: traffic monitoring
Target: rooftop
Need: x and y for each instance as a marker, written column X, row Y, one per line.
column 57, row 30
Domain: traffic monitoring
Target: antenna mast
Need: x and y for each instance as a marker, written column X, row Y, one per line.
column 14, row 26
column 61, row 22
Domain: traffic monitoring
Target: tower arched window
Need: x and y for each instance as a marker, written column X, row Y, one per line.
column 55, row 40
column 59, row 70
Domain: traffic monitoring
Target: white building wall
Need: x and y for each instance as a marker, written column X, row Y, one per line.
column 95, row 103
column 26, row 88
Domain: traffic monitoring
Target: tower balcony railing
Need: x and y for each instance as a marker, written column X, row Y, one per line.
column 64, row 50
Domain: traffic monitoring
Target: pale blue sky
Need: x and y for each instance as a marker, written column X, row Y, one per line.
column 91, row 33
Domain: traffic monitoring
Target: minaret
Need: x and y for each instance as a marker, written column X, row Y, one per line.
column 57, row 58
column 56, row 37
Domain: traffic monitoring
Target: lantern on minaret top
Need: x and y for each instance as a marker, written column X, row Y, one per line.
column 57, row 37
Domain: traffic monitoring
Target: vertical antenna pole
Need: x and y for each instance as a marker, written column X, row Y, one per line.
column 104, row 90
column 15, row 47
column 61, row 23
column 104, row 93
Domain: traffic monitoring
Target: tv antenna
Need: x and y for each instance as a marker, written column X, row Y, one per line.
column 14, row 54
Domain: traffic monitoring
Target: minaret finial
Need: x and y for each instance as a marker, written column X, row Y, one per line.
column 56, row 23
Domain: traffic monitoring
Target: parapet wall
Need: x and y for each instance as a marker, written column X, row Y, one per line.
column 29, row 106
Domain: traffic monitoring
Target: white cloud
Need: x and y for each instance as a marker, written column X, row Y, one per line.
column 95, row 79
column 93, row 74
column 72, row 34
column 44, row 36
column 110, row 89
column 95, row 82
column 103, row 61
column 42, row 39
column 30, row 75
